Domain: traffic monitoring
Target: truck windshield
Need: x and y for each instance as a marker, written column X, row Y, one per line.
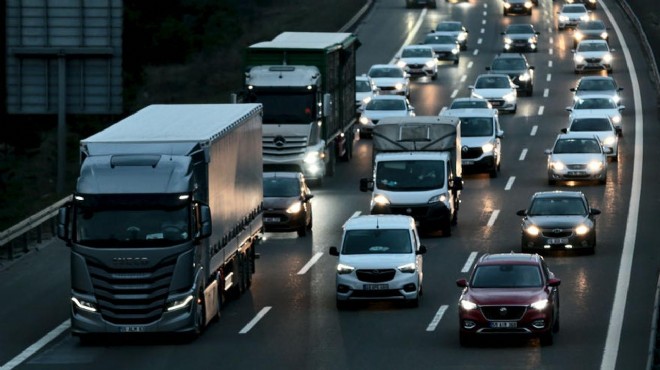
column 410, row 175
column 130, row 221
column 287, row 107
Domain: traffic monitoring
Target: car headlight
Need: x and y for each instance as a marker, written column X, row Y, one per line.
column 584, row 17
column 531, row 40
column 532, row 230
column 607, row 58
column 507, row 5
column 563, row 18
column 604, row 35
column 381, row 200
column 462, row 36
column 595, row 165
column 609, row 141
column 578, row 59
column 510, row 97
column 407, row 268
column 455, row 51
column 487, row 148
column 344, row 269
column 539, row 305
column 467, row 305
column 294, row 208
column 582, row 229
column 616, row 99
column 312, row 157
column 524, row 77
column 616, row 119
column 557, row 165
column 364, row 120
column 84, row 305
column 431, row 63
column 528, row 4
column 438, row 198
column 507, row 40
column 401, row 63
column 180, row 303
column 578, row 35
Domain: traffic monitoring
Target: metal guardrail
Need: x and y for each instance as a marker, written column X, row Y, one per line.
column 18, row 239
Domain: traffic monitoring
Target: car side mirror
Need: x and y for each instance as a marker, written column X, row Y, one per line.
column 554, row 282
column 594, row 211
column 608, row 150
column 548, row 151
column 564, row 130
column 205, row 229
column 572, row 89
column 619, row 89
column 500, row 134
column 621, row 107
column 333, row 251
column 366, row 184
column 522, row 212
column 537, row 32
column 421, row 250
column 471, row 87
column 461, row 283
column 532, row 67
column 569, row 109
column 308, row 197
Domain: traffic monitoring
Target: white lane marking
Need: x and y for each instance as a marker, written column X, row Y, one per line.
column 549, row 63
column 533, row 132
column 550, row 51
column 31, row 350
column 476, row 51
column 551, row 40
column 469, row 262
column 485, row 6
column 549, row 29
column 255, row 320
column 463, row 78
column 493, row 217
column 483, row 30
column 523, row 154
column 311, row 263
column 436, row 319
column 548, row 77
column 509, row 183
column 611, row 350
column 412, row 34
column 470, row 64
column 541, row 108
column 483, row 21
column 479, row 41
column 454, row 93
column 546, row 92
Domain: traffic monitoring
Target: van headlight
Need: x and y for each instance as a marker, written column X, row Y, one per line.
column 343, row 269
column 407, row 268
column 381, row 200
column 488, row 147
column 438, row 198
column 462, row 36
column 294, row 208
column 312, row 157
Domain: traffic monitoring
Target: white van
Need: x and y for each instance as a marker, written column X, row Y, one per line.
column 480, row 138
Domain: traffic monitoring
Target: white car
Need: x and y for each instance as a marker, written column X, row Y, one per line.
column 444, row 45
column 598, row 104
column 380, row 258
column 390, row 79
column 418, row 60
column 456, row 29
column 498, row 89
column 365, row 89
column 570, row 15
column 381, row 106
column 592, row 55
column 577, row 156
column 601, row 85
column 600, row 126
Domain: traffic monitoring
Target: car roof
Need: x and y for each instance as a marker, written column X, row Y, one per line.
column 388, row 97
column 285, row 174
column 510, row 259
column 510, row 56
column 369, row 222
column 559, row 194
column 470, row 112
column 418, row 47
column 385, row 66
column 577, row 135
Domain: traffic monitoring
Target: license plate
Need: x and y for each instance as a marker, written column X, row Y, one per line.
column 577, row 173
column 376, row 287
column 271, row 219
column 503, row 324
column 467, row 163
column 495, row 103
column 558, row 241
column 131, row 329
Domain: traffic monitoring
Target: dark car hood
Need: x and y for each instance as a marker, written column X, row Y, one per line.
column 506, row 296
column 519, row 36
column 556, row 221
column 511, row 72
column 278, row 203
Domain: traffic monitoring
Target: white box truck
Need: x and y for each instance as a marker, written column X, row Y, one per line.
column 417, row 170
column 165, row 218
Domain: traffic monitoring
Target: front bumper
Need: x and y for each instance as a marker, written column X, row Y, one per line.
column 519, row 320
column 583, row 174
column 593, row 66
column 365, row 285
column 558, row 239
column 523, row 45
column 484, row 162
column 428, row 216
column 420, row 70
column 501, row 104
column 282, row 221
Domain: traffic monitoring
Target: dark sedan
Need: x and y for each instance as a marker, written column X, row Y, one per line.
column 509, row 293
column 522, row 37
column 558, row 220
column 287, row 205
column 515, row 65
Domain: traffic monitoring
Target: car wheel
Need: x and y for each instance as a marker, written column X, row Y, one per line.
column 603, row 181
column 530, row 91
column 414, row 303
column 515, row 109
column 610, row 71
column 505, row 12
column 434, row 76
column 456, row 61
column 302, row 230
column 463, row 47
column 465, row 340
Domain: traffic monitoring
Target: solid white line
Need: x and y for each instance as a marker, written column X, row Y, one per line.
column 454, row 93
column 533, row 132
column 470, row 64
column 31, row 350
column 436, row 319
column 463, row 78
column 541, row 108
column 311, row 263
column 255, row 320
column 509, row 183
column 523, row 154
column 546, row 93
column 549, row 63
column 611, row 350
column 412, row 34
column 476, row 51
column 548, row 77
column 493, row 217
column 468, row 264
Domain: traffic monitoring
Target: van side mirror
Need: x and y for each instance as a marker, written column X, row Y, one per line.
column 366, row 184
column 564, row 130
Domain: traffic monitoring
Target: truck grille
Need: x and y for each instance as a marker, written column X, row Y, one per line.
column 131, row 296
column 284, row 146
column 503, row 312
column 375, row 276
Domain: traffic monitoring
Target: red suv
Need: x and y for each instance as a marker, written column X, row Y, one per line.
column 509, row 293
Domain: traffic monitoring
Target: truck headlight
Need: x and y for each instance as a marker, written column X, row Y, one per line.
column 467, row 305
column 407, row 268
column 488, row 147
column 438, row 198
column 179, row 303
column 540, row 305
column 294, row 208
column 581, row 230
column 312, row 157
column 532, row 230
column 381, row 200
column 344, row 269
column 83, row 305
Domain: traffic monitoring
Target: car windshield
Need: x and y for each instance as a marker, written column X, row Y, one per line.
column 502, row 64
column 386, row 72
column 417, row 53
column 557, row 206
column 591, row 124
column 362, row 86
column 448, row 27
column 459, row 104
column 592, row 46
column 507, row 276
column 489, row 82
column 573, row 9
column 410, row 175
column 591, row 25
column 565, row 146
column 476, row 126
column 281, row 187
column 520, row 28
column 439, row 39
column 377, row 241
column 386, row 104
column 596, row 85
column 595, row 103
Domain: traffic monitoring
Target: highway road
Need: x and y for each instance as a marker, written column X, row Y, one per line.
column 288, row 319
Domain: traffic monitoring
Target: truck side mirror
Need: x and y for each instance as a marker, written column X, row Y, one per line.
column 205, row 222
column 327, row 105
column 63, row 224
column 366, row 184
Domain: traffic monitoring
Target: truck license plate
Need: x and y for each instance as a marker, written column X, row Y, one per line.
column 558, row 241
column 131, row 329
column 376, row 287
column 503, row 324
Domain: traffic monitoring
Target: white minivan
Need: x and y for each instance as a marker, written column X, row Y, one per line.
column 481, row 137
column 380, row 258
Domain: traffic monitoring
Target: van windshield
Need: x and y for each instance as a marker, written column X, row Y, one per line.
column 413, row 175
column 377, row 241
column 476, row 126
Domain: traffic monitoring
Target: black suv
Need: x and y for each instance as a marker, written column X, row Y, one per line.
column 515, row 65
column 517, row 6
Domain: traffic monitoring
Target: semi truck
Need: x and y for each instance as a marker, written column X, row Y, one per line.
column 417, row 170
column 165, row 219
column 306, row 83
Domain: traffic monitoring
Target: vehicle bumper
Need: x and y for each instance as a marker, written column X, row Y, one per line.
column 524, row 46
column 532, row 323
column 425, row 71
column 583, row 175
column 427, row 216
column 282, row 221
column 483, row 163
column 568, row 24
column 567, row 239
column 593, row 67
column 502, row 105
column 447, row 55
column 403, row 286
